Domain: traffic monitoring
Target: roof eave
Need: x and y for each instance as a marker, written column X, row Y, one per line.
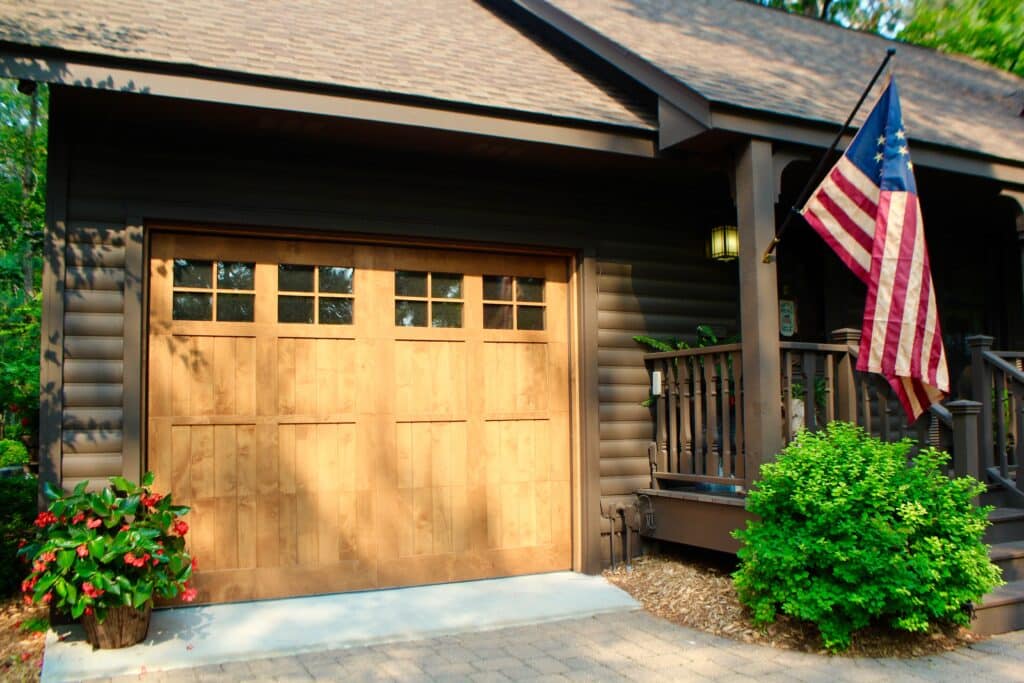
column 799, row 131
column 133, row 76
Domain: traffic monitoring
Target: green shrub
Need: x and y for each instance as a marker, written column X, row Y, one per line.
column 850, row 534
column 12, row 453
column 18, row 505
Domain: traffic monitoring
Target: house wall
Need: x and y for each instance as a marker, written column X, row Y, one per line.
column 132, row 160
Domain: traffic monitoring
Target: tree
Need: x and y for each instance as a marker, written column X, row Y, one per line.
column 877, row 16
column 989, row 30
column 23, row 133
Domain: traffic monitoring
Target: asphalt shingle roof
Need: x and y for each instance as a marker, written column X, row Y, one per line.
column 450, row 50
column 737, row 53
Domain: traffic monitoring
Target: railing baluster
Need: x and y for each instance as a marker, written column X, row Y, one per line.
column 810, row 368
column 787, row 396
column 662, row 434
column 711, row 395
column 865, row 401
column 883, row 413
column 673, row 416
column 698, row 423
column 727, row 468
column 741, row 451
column 999, row 380
column 830, row 404
column 686, row 458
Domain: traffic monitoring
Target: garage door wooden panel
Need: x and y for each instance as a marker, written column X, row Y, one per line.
column 407, row 424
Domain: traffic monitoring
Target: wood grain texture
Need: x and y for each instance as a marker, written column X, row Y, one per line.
column 373, row 455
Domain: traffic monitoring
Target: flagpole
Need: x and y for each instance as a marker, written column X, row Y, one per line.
column 813, row 180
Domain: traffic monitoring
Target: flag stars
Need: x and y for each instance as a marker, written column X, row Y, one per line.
column 879, row 156
column 904, row 151
column 881, row 140
column 910, row 165
column 900, row 135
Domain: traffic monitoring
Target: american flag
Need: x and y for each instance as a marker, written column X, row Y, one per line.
column 867, row 210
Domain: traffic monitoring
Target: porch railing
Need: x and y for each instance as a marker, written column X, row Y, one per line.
column 998, row 385
column 698, row 397
column 698, row 406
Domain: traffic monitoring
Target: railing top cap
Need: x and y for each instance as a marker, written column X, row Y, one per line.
column 980, row 340
column 964, row 406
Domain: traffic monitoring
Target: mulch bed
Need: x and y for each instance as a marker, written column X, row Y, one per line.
column 21, row 653
column 694, row 589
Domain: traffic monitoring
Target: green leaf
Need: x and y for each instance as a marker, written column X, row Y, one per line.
column 65, row 558
column 122, row 484
column 108, row 497
column 147, row 479
column 80, row 488
column 78, row 609
column 143, row 592
column 51, row 491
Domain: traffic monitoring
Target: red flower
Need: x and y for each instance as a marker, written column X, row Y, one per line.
column 25, row 656
column 88, row 611
column 94, row 522
column 126, row 527
column 195, row 564
column 29, row 584
column 45, row 518
column 22, row 543
column 77, row 519
column 150, row 501
column 38, row 566
column 156, row 560
column 91, row 591
column 136, row 561
column 180, row 527
column 47, row 598
column 48, row 556
column 25, row 422
column 27, row 599
column 82, row 551
column 12, row 407
column 189, row 594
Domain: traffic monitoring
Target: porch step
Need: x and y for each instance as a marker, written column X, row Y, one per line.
column 1001, row 610
column 1007, row 525
column 1010, row 558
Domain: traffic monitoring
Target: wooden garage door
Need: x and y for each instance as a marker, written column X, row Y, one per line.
column 345, row 417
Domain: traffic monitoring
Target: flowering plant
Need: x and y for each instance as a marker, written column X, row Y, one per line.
column 119, row 546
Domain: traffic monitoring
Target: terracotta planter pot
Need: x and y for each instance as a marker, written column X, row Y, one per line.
column 123, row 627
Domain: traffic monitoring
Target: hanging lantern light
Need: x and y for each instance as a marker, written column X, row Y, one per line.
column 724, row 243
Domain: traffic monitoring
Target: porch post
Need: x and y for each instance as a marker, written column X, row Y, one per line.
column 1017, row 196
column 846, row 385
column 965, row 438
column 759, row 305
column 981, row 381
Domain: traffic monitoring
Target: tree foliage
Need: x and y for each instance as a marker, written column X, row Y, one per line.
column 22, row 205
column 989, row 30
column 877, row 16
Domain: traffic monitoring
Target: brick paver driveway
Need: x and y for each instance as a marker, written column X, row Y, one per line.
column 612, row 647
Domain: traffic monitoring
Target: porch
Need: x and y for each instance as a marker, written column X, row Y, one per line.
column 702, row 465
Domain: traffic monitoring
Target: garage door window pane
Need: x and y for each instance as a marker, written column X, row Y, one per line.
column 498, row 316
column 446, row 285
column 335, row 280
column 235, row 307
column 235, row 275
column 335, row 311
column 295, row 309
column 292, row 278
column 192, row 306
column 498, row 287
column 410, row 283
column 193, row 273
column 529, row 289
column 446, row 315
column 530, row 318
column 411, row 313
